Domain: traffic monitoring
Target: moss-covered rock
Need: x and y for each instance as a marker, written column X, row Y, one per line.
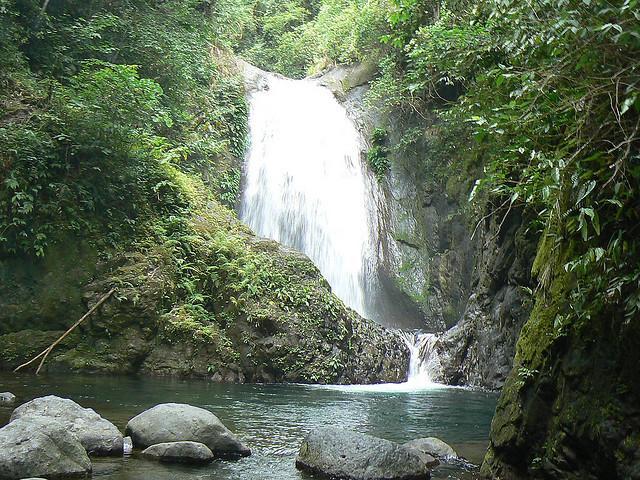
column 571, row 405
column 18, row 347
column 211, row 299
column 44, row 293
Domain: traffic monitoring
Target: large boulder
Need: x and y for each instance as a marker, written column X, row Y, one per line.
column 337, row 453
column 41, row 447
column 433, row 446
column 180, row 452
column 177, row 422
column 97, row 435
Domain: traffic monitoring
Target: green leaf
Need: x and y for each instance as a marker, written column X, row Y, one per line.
column 585, row 191
column 12, row 183
column 628, row 102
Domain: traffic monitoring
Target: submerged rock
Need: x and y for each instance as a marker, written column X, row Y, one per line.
column 7, row 398
column 180, row 452
column 178, row 422
column 338, row 453
column 433, row 446
column 39, row 446
column 97, row 435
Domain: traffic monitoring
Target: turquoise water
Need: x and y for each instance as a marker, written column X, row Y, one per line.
column 272, row 419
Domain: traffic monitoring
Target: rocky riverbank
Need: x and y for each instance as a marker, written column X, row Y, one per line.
column 55, row 437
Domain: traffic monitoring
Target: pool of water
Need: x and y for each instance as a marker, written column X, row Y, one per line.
column 273, row 419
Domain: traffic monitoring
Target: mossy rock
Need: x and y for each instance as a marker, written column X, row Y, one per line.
column 570, row 408
column 18, row 347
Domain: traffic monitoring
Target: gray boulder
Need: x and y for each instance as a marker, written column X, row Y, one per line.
column 7, row 398
column 433, row 446
column 97, row 435
column 41, row 447
column 337, row 453
column 177, row 422
column 180, row 452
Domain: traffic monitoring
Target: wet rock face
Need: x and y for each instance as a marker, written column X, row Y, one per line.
column 97, row 435
column 41, row 447
column 177, row 422
column 469, row 288
column 337, row 453
column 480, row 348
column 466, row 283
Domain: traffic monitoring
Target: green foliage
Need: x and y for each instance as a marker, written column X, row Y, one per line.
column 544, row 98
column 525, row 376
column 276, row 41
column 228, row 187
column 461, row 50
column 294, row 39
column 106, row 109
column 82, row 156
column 378, row 154
column 95, row 100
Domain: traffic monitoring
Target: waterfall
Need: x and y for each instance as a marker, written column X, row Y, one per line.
column 424, row 363
column 424, row 367
column 306, row 185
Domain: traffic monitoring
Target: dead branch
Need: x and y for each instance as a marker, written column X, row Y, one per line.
column 48, row 350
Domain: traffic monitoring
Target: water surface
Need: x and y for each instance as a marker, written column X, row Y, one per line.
column 272, row 419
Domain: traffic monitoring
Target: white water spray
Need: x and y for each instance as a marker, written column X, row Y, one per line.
column 424, row 363
column 424, row 367
column 306, row 186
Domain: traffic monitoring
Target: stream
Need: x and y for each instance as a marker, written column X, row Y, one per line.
column 273, row 419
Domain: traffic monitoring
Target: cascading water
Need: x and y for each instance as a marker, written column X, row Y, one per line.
column 424, row 367
column 306, row 185
column 423, row 359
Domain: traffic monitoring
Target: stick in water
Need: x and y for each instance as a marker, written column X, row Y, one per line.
column 47, row 350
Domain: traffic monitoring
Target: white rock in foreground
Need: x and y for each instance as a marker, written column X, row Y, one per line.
column 7, row 398
column 97, row 435
column 41, row 447
column 433, row 446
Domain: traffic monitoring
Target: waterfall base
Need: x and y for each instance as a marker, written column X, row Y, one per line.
column 424, row 367
column 424, row 364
